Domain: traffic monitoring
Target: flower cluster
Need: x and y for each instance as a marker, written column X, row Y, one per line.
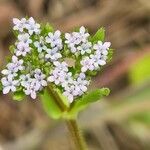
column 32, row 83
column 73, row 87
column 78, row 41
column 97, row 59
column 39, row 60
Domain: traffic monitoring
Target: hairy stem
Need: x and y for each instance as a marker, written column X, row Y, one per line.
column 76, row 135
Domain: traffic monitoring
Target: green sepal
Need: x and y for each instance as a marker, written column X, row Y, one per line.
column 1, row 86
column 18, row 95
column 99, row 36
column 110, row 54
column 12, row 48
column 86, row 100
column 49, row 104
column 15, row 32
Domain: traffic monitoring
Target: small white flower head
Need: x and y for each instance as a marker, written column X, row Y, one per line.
column 16, row 64
column 19, row 24
column 32, row 88
column 40, row 77
column 102, row 47
column 55, row 39
column 63, row 66
column 70, row 93
column 71, row 41
column 9, row 84
column 78, row 41
column 82, row 82
column 67, row 79
column 85, row 48
column 25, row 80
column 25, row 38
column 56, row 76
column 97, row 60
column 87, row 64
column 83, row 35
column 32, row 26
column 53, row 54
column 40, row 45
column 22, row 49
column 9, row 72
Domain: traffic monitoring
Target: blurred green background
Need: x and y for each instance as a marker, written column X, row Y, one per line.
column 120, row 122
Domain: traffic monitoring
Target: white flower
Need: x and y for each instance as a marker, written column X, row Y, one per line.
column 24, row 38
column 69, row 93
column 59, row 72
column 56, row 76
column 9, row 72
column 83, row 36
column 52, row 54
column 67, row 79
column 82, row 83
column 32, row 88
column 87, row 64
column 22, row 49
column 32, row 26
column 40, row 45
column 19, row 24
column 9, row 84
column 63, row 66
column 54, row 39
column 40, row 77
column 16, row 64
column 97, row 60
column 25, row 80
column 102, row 47
column 85, row 48
column 72, row 39
column 76, row 88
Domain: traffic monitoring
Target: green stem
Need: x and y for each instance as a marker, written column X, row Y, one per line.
column 76, row 135
column 58, row 100
column 71, row 123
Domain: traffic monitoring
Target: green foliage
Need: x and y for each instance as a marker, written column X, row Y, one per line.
column 18, row 95
column 99, row 35
column 62, row 97
column 46, row 28
column 12, row 48
column 50, row 105
column 143, row 117
column 87, row 99
column 1, row 86
column 140, row 71
column 53, row 110
column 110, row 54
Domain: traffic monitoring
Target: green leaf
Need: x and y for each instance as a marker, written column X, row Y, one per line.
column 99, row 35
column 18, row 95
column 50, row 105
column 87, row 99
